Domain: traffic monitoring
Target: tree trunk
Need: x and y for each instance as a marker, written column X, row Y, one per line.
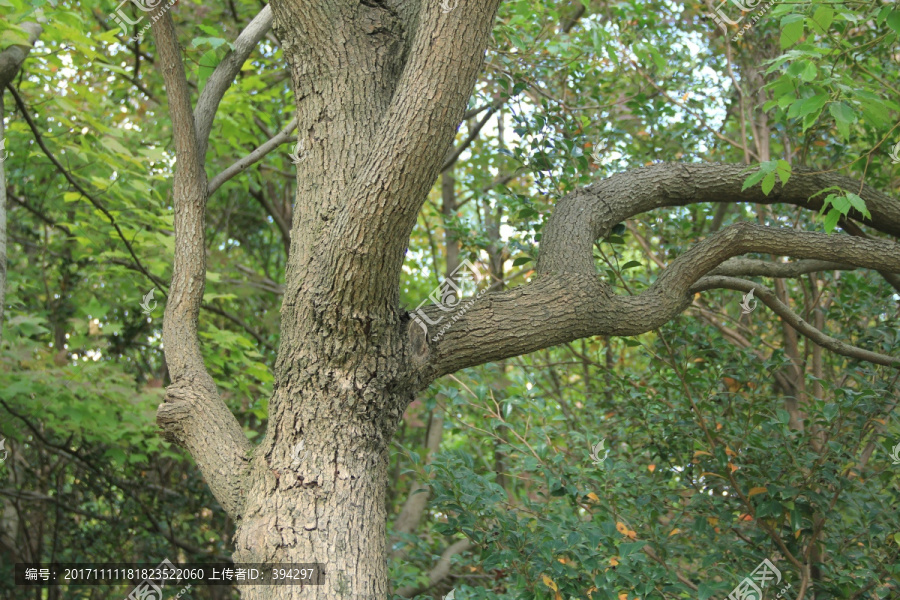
column 327, row 507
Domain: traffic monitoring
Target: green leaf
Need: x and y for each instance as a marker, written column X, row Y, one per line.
column 631, row 264
column 791, row 32
column 768, row 183
column 522, row 260
column 844, row 116
column 821, row 19
column 784, row 417
column 810, row 105
column 783, row 170
column 859, row 204
column 893, row 20
column 764, row 169
column 809, row 72
column 832, row 219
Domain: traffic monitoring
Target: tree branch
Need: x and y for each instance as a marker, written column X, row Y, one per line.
column 751, row 267
column 11, row 58
column 412, row 141
column 770, row 299
column 193, row 414
column 74, row 183
column 439, row 572
column 224, row 74
column 279, row 138
column 573, row 302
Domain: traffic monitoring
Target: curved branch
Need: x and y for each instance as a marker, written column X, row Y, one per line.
column 770, row 299
column 590, row 213
column 193, row 414
column 564, row 306
column 224, row 74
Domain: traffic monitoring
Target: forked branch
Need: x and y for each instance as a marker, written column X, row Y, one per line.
column 567, row 300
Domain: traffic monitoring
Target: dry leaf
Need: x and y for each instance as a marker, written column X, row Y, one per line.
column 756, row 490
column 651, row 468
column 549, row 583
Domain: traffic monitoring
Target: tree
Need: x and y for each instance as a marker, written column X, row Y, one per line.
column 380, row 91
column 350, row 360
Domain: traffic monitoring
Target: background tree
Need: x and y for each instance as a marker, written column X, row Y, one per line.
column 718, row 458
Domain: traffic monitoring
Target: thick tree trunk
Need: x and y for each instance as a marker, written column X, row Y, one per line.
column 327, row 507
